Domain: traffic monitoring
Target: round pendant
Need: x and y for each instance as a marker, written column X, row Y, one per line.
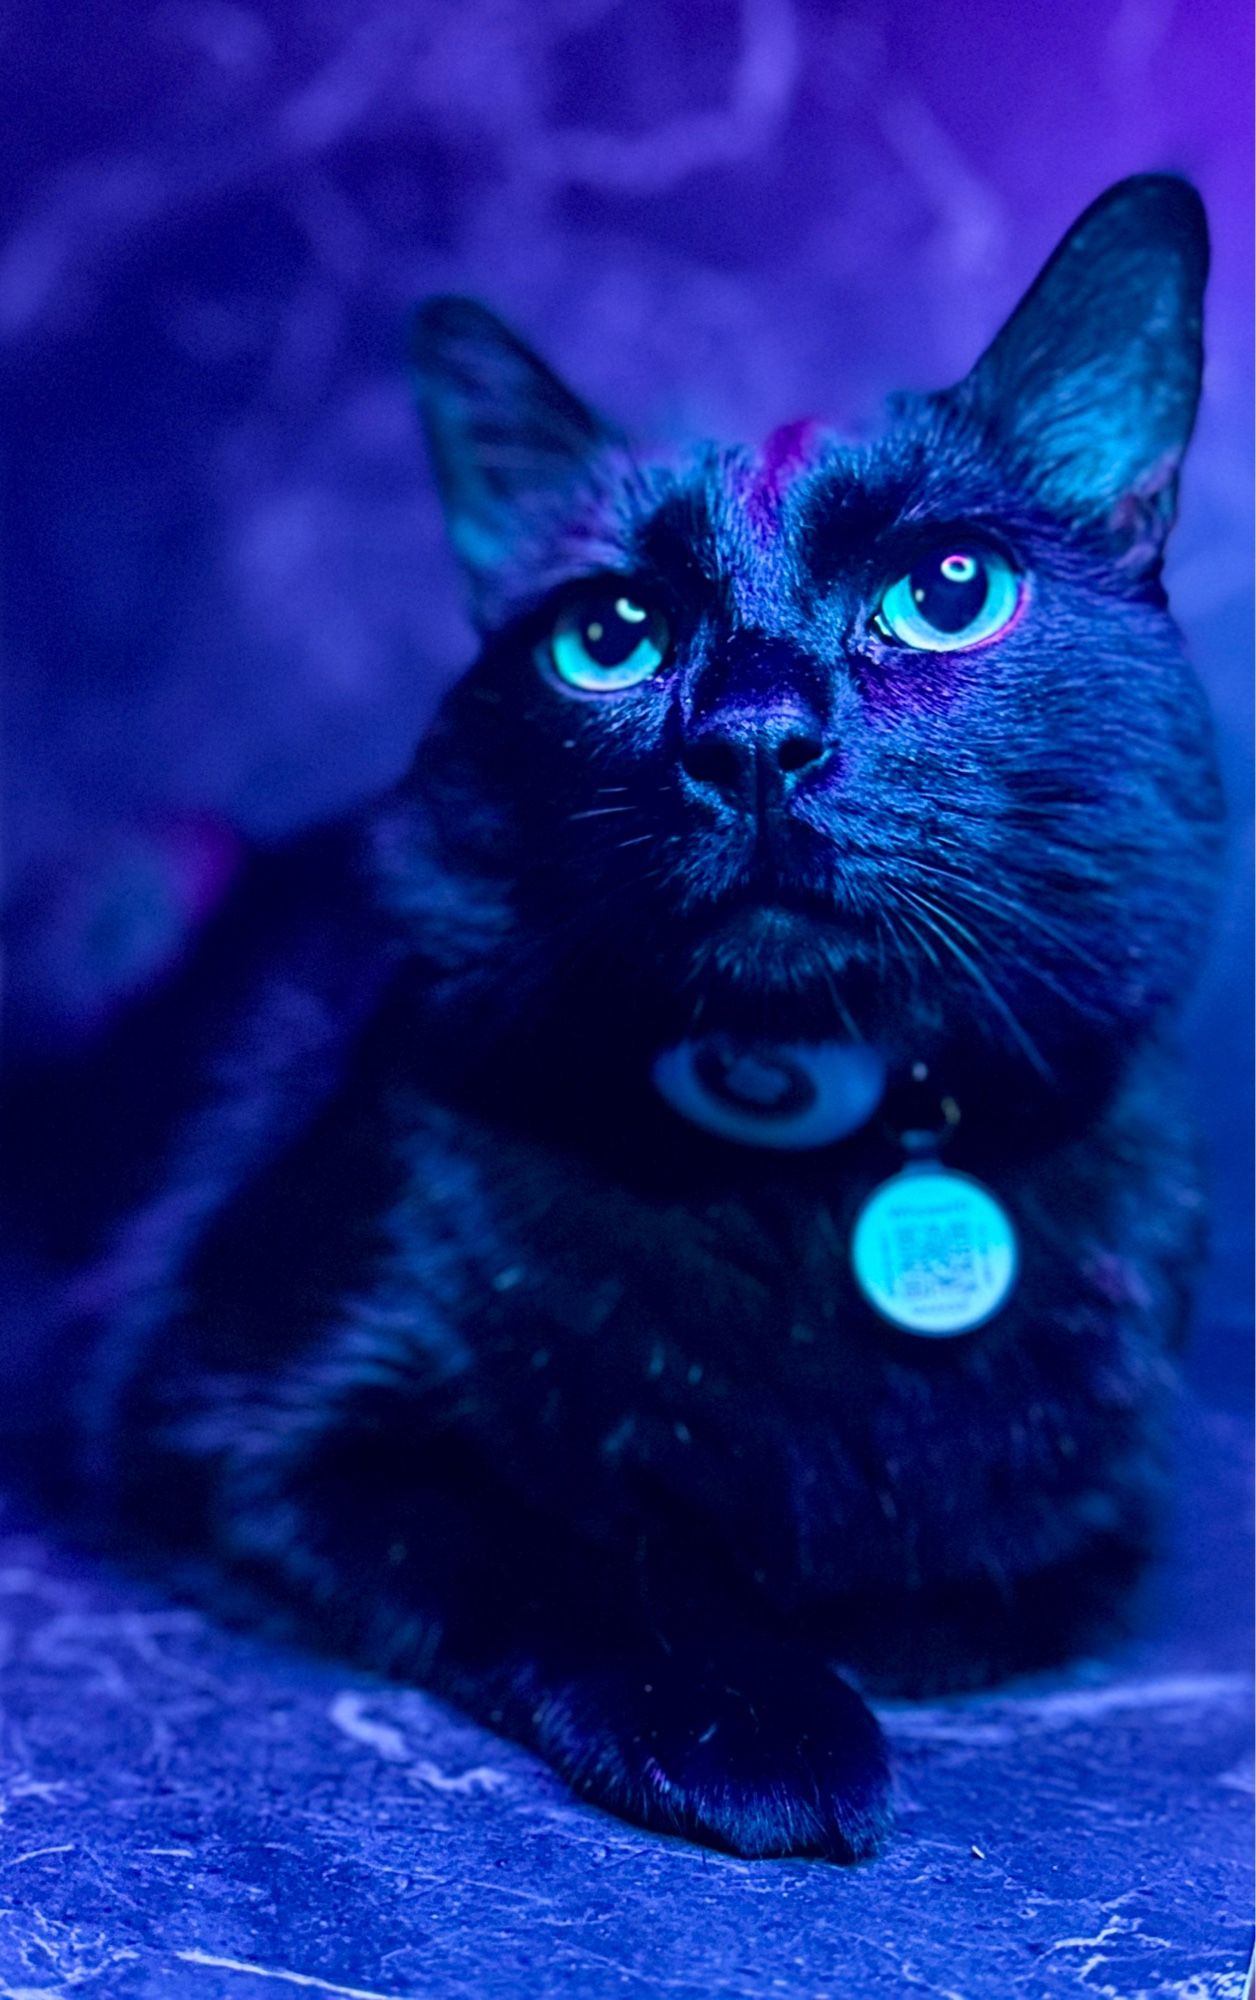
column 758, row 1093
column 934, row 1252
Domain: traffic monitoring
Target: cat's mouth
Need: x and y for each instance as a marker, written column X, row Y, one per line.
column 768, row 929
column 783, row 983
column 767, row 918
column 785, row 958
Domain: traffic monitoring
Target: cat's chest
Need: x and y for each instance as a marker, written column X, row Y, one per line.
column 630, row 1283
column 709, row 1354
column 712, row 1334
column 736, row 1300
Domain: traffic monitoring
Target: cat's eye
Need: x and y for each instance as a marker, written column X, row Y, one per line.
column 956, row 595
column 606, row 638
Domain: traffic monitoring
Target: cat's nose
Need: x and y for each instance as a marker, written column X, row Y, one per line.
column 754, row 761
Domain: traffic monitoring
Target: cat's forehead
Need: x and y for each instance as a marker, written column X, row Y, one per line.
column 785, row 453
column 758, row 521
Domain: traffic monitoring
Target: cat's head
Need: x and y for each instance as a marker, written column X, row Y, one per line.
column 892, row 739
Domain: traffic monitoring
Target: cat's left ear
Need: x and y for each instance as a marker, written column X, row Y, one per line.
column 1094, row 380
column 508, row 441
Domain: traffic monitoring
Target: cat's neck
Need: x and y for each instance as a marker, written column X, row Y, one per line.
column 581, row 1075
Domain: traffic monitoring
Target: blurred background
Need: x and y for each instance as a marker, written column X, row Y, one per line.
column 228, row 603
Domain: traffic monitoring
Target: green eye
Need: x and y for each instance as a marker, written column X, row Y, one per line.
column 604, row 639
column 955, row 596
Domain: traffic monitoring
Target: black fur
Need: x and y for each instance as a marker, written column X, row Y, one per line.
column 426, row 1312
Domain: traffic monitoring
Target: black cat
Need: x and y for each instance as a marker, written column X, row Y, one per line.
column 504, row 1278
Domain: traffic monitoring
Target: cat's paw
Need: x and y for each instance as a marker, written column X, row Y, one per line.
column 758, row 1750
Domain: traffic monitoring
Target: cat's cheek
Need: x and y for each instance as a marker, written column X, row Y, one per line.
column 892, row 680
column 934, row 671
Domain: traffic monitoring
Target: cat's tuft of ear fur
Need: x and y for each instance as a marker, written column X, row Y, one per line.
column 1094, row 380
column 507, row 438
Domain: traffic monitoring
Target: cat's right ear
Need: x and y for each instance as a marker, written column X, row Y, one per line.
column 1094, row 380
column 507, row 439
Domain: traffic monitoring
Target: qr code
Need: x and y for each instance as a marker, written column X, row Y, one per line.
column 935, row 1260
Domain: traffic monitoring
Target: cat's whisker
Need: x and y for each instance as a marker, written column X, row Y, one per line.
column 841, row 1009
column 1055, row 985
column 982, row 897
column 922, row 940
column 886, row 928
column 936, row 920
column 961, row 873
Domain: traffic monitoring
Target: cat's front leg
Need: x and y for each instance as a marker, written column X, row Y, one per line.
column 738, row 1742
column 411, row 1554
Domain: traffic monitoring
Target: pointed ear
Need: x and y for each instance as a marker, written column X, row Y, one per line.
column 507, row 439
column 1095, row 377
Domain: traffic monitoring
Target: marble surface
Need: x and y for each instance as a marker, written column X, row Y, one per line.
column 191, row 1813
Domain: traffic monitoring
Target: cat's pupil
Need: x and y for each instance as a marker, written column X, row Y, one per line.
column 949, row 590
column 611, row 630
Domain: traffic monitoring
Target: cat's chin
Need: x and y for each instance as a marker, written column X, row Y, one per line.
column 769, row 967
column 772, row 946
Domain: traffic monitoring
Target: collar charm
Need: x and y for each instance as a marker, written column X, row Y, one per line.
column 934, row 1252
column 781, row 1094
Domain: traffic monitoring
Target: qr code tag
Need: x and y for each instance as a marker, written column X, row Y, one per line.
column 934, row 1252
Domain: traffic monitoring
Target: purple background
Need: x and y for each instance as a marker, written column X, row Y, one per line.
column 228, row 589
